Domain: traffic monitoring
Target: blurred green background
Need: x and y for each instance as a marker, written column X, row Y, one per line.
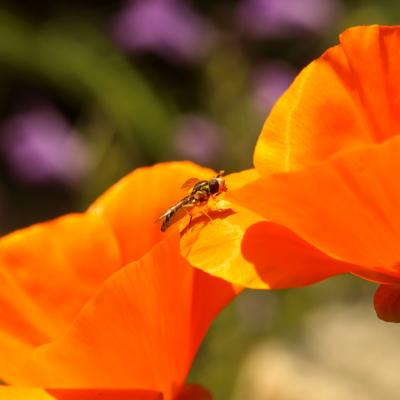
column 90, row 90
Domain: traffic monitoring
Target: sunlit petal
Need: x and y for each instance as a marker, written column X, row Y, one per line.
column 347, row 206
column 58, row 265
column 19, row 393
column 141, row 330
column 133, row 204
column 346, row 98
column 48, row 272
column 244, row 248
column 374, row 59
column 104, row 394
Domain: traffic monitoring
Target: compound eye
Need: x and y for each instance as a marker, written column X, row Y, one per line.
column 214, row 185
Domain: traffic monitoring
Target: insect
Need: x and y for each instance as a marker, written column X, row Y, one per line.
column 200, row 193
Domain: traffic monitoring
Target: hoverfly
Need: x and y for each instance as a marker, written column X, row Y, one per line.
column 200, row 193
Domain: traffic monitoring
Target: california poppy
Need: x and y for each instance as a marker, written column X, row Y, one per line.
column 329, row 172
column 102, row 303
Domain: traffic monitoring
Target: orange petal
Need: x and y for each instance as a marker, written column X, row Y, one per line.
column 348, row 206
column 347, row 97
column 133, row 204
column 141, row 330
column 104, row 394
column 377, row 277
column 56, row 266
column 48, row 272
column 194, row 392
column 17, row 393
column 373, row 57
column 239, row 179
column 241, row 247
column 387, row 303
column 14, row 353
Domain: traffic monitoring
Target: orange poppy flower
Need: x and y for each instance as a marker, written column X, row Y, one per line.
column 102, row 304
column 329, row 164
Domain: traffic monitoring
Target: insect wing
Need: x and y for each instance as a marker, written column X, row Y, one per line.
column 190, row 183
column 163, row 215
column 176, row 212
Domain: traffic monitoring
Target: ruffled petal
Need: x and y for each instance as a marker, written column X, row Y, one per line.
column 347, row 207
column 387, row 303
column 346, row 98
column 48, row 272
column 104, row 394
column 55, row 267
column 237, row 180
column 133, row 204
column 245, row 249
column 374, row 59
column 141, row 330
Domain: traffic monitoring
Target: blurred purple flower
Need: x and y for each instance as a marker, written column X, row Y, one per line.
column 40, row 147
column 263, row 18
column 269, row 83
column 197, row 138
column 166, row 27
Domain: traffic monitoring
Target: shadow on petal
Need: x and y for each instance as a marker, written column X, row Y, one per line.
column 194, row 392
column 282, row 259
column 203, row 219
column 387, row 303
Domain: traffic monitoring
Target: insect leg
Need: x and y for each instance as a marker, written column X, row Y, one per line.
column 187, row 208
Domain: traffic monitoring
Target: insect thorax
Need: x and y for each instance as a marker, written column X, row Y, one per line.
column 202, row 186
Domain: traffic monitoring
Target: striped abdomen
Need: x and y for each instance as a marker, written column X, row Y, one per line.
column 176, row 212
